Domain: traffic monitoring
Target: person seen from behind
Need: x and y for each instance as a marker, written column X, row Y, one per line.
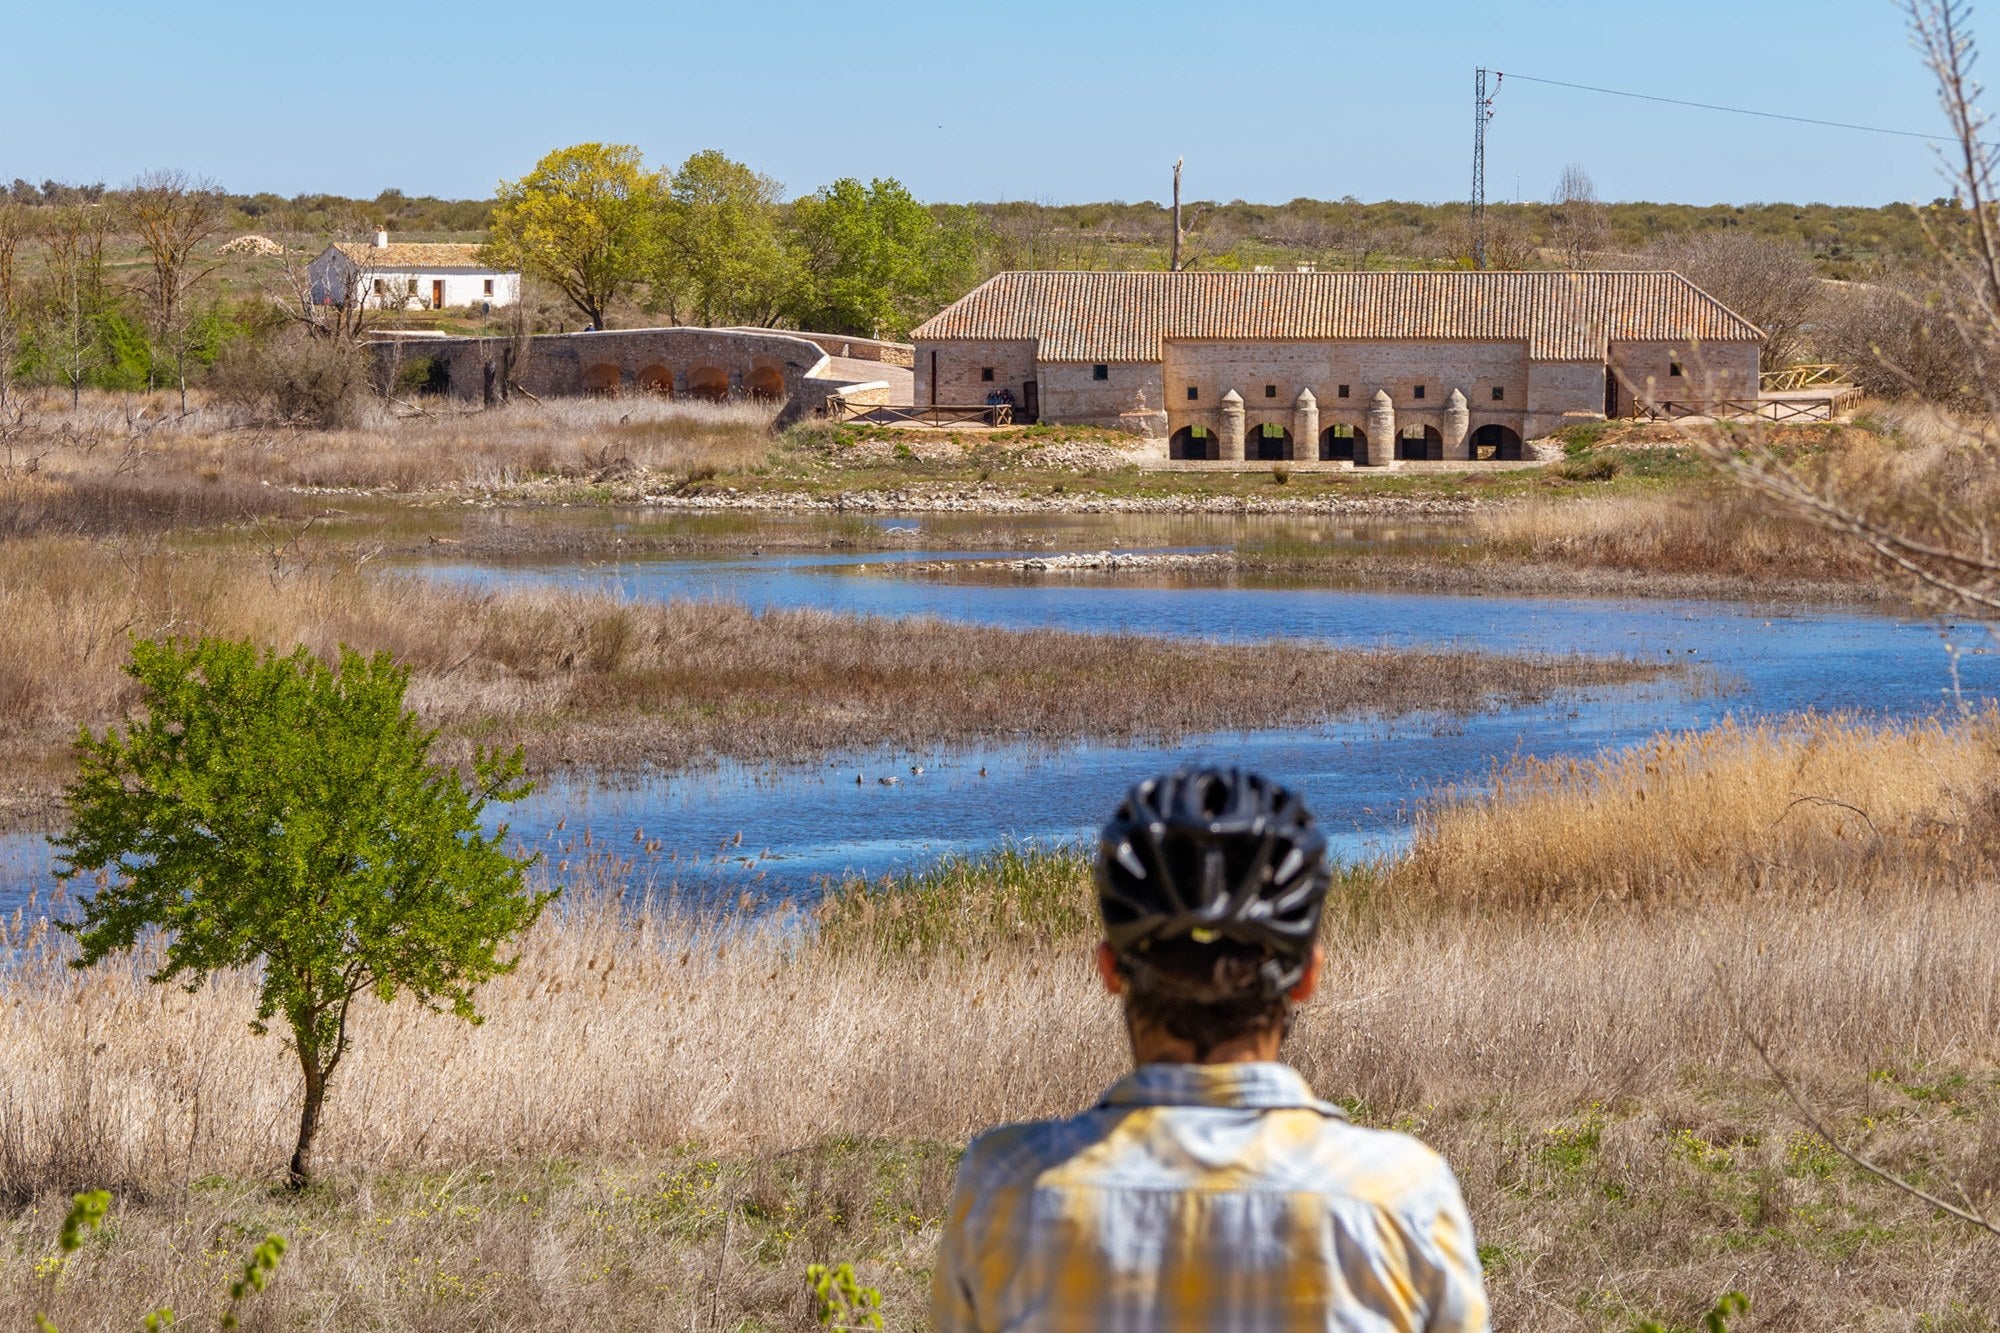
column 1209, row 1188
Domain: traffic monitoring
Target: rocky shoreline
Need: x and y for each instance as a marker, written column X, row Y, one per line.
column 1084, row 562
column 1000, row 500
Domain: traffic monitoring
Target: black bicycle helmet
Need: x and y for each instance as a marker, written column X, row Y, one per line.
column 1214, row 854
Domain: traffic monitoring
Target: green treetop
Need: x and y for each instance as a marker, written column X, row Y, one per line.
column 877, row 262
column 587, row 219
column 723, row 260
column 269, row 810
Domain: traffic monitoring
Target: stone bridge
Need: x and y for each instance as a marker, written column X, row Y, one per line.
column 713, row 365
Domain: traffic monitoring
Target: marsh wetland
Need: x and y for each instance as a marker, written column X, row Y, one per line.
column 815, row 738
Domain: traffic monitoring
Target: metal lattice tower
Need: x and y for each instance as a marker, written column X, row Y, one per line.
column 1482, row 111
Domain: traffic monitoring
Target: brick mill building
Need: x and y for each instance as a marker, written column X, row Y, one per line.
column 1305, row 366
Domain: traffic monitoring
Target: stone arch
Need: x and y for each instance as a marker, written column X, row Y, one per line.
column 1193, row 442
column 709, row 382
column 656, row 379
column 765, row 383
column 601, row 378
column 1494, row 441
column 1342, row 441
column 1269, row 442
column 1419, row 442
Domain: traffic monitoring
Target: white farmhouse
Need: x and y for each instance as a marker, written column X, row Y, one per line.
column 414, row 276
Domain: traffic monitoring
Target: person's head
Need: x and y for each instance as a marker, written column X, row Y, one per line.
column 1211, row 883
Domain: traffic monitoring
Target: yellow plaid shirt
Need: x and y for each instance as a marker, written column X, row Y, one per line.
column 1210, row 1197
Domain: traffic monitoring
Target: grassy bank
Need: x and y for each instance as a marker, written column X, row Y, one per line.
column 590, row 680
column 662, row 1121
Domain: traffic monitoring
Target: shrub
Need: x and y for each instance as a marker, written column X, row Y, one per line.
column 298, row 378
column 1589, row 467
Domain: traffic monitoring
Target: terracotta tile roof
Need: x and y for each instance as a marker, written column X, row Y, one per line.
column 415, row 255
column 1125, row 316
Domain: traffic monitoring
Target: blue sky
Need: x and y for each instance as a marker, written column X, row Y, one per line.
column 1092, row 99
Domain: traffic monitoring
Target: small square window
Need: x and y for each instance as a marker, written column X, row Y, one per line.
column 1420, row 391
column 1673, row 367
column 1100, row 372
column 986, row 374
column 1194, row 394
column 1499, row 394
column 1342, row 393
column 489, row 286
column 381, row 287
column 1270, row 391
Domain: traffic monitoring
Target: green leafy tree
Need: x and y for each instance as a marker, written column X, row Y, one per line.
column 877, row 262
column 267, row 810
column 723, row 259
column 587, row 219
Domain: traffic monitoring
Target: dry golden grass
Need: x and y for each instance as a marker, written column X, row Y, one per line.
column 119, row 445
column 582, row 678
column 661, row 1122
column 1771, row 807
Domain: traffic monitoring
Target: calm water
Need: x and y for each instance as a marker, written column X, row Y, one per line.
column 798, row 826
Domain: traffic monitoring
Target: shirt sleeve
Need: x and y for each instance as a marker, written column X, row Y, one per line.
column 1446, row 1261
column 951, row 1296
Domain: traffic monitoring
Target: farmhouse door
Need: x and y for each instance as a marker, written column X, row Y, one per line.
column 437, row 293
column 1610, row 392
column 1031, row 403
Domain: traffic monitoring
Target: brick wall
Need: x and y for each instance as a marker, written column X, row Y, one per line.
column 1072, row 392
column 1710, row 370
column 1559, row 394
column 559, row 364
column 958, row 367
column 1270, row 375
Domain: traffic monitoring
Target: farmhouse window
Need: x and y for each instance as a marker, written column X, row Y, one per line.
column 1194, row 396
column 1499, row 394
column 1673, row 367
column 1420, row 391
column 1100, row 372
column 489, row 287
column 1270, row 391
column 1343, row 392
column 986, row 374
column 381, row 287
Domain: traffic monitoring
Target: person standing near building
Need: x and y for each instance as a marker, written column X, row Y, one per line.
column 1209, row 1188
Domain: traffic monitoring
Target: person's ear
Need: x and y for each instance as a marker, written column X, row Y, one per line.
column 1107, row 968
column 1309, row 978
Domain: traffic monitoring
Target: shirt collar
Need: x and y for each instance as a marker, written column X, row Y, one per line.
column 1256, row 1086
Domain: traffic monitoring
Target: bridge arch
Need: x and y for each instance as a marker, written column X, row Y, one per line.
column 710, row 383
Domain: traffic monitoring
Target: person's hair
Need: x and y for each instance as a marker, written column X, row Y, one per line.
column 1202, row 994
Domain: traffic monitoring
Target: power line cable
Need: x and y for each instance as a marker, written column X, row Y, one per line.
column 1744, row 111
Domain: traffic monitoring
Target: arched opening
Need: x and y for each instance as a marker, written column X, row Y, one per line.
column 1340, row 442
column 1419, row 442
column 601, row 378
column 657, row 380
column 766, row 384
column 1497, row 442
column 709, row 382
column 1193, row 442
column 1274, row 442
